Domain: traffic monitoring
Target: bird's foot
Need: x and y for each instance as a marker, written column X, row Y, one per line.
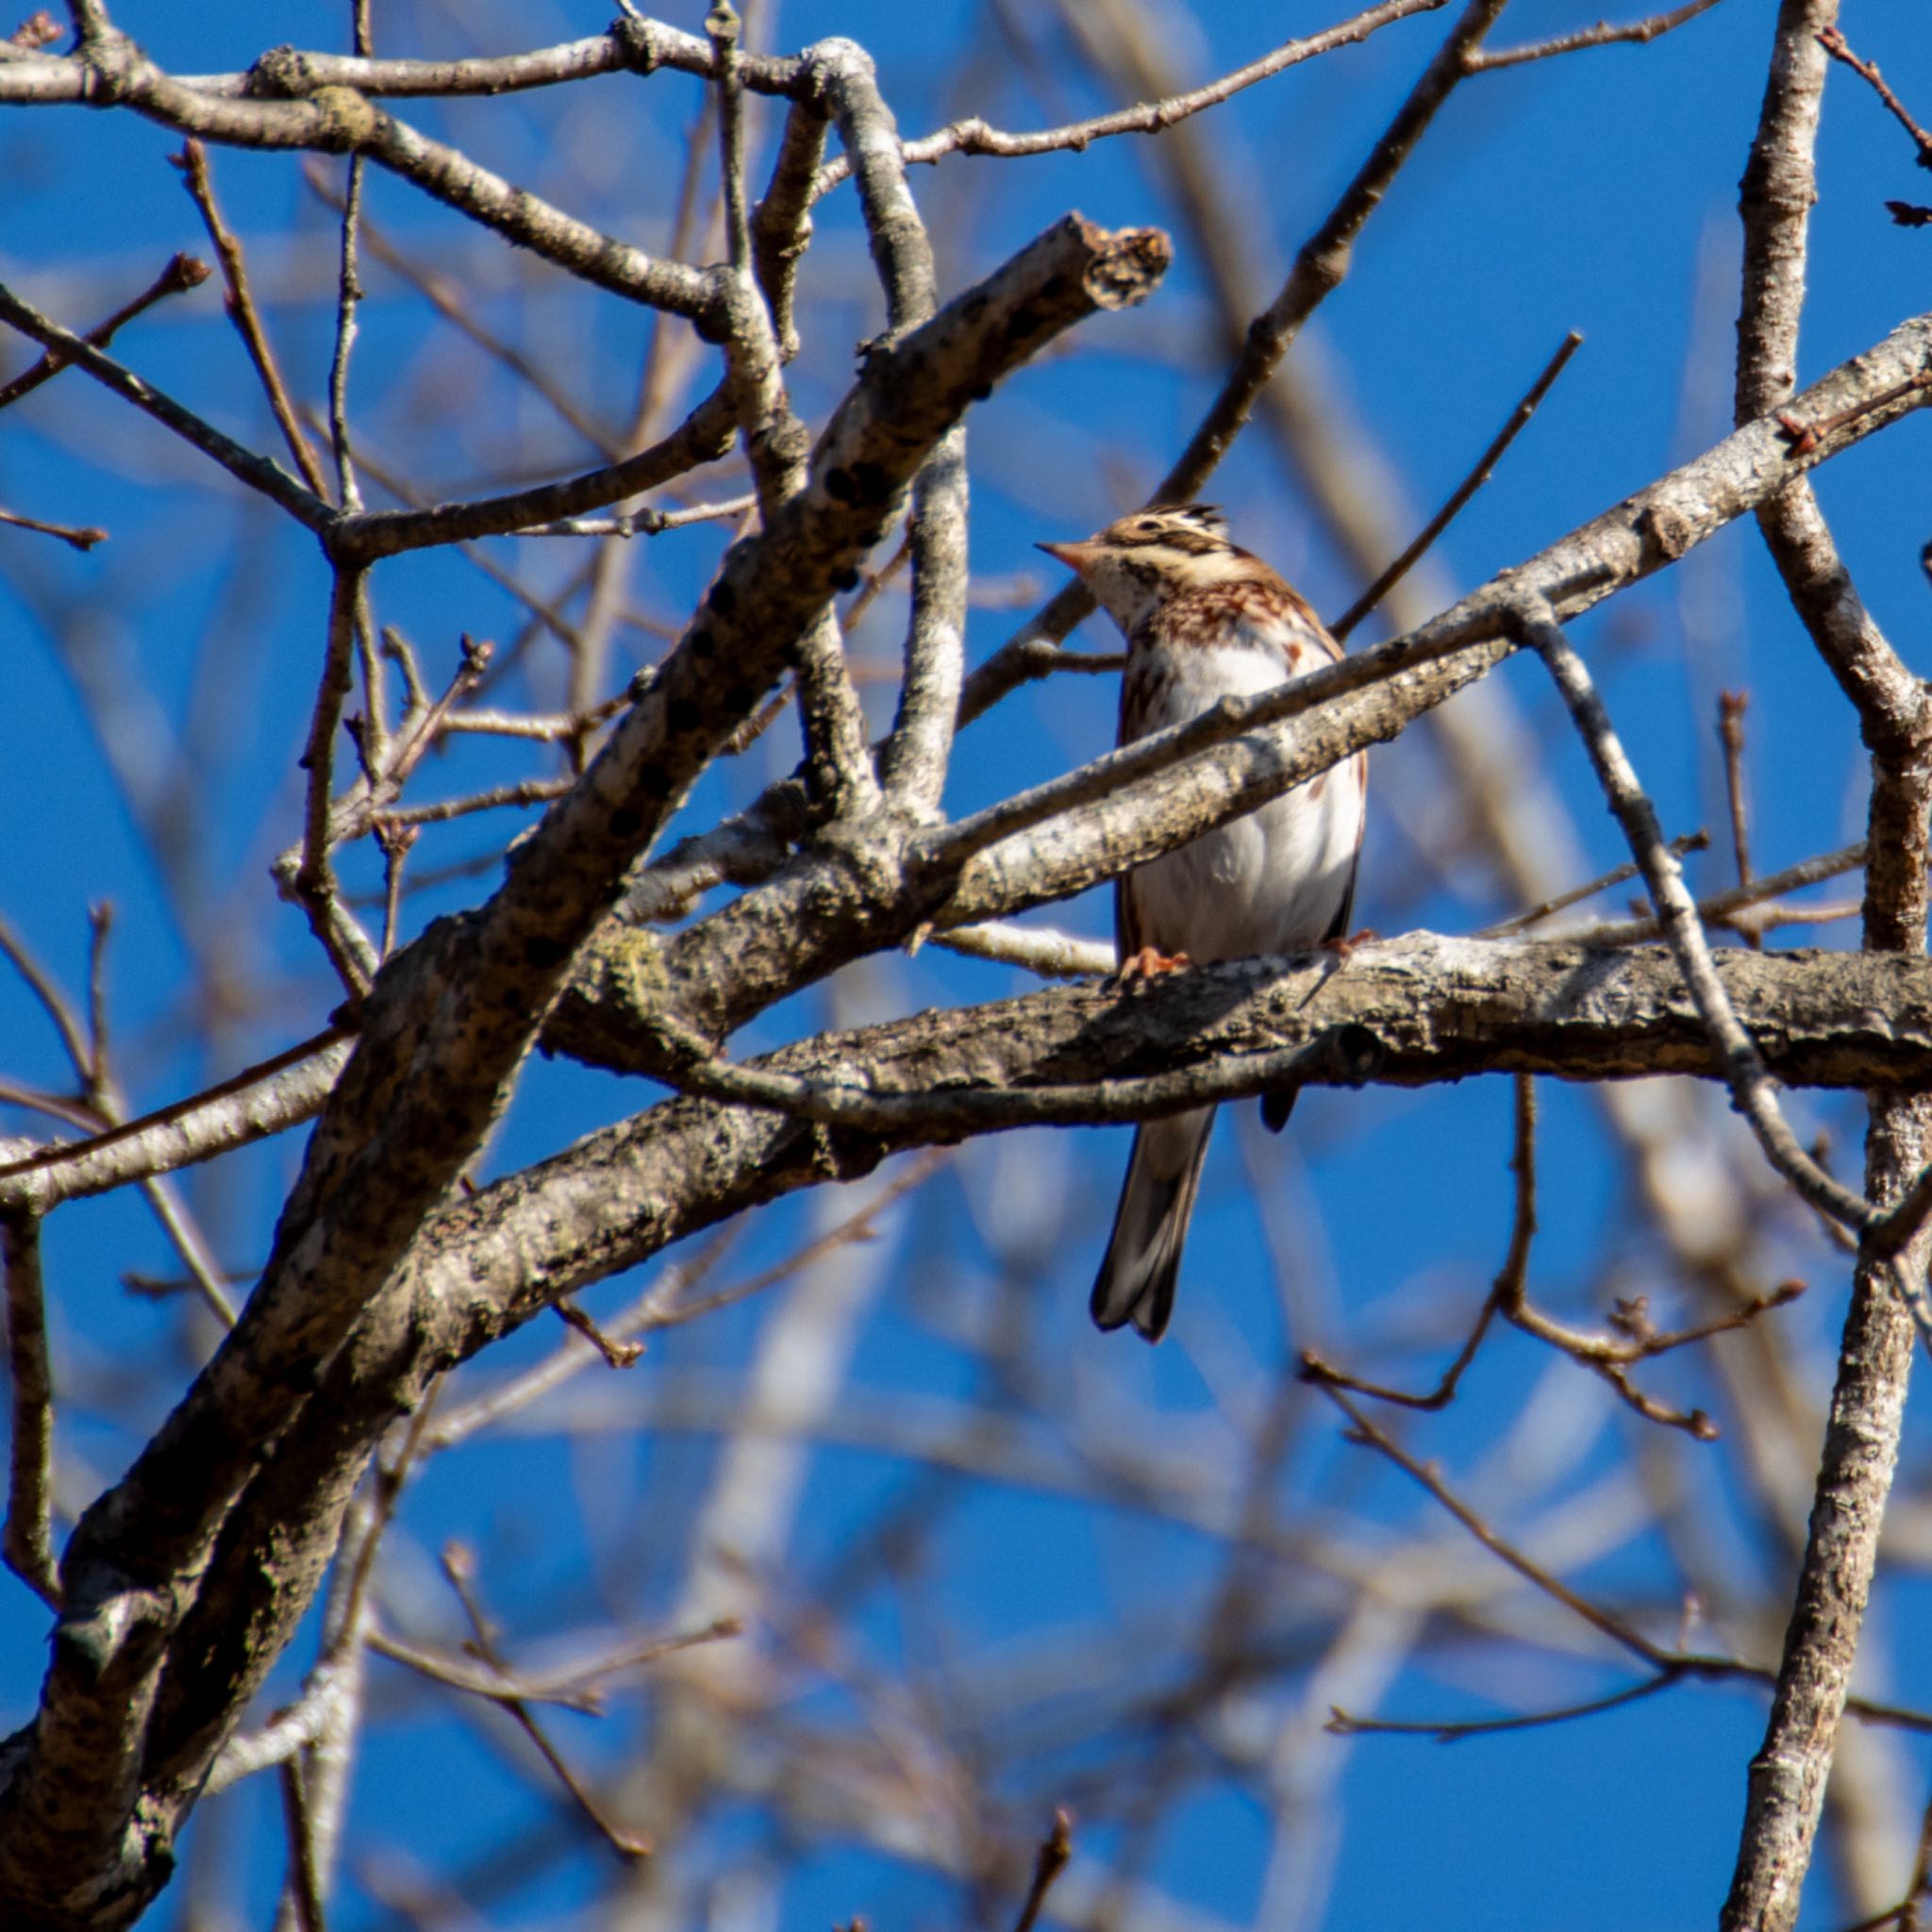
column 1149, row 962
column 1345, row 949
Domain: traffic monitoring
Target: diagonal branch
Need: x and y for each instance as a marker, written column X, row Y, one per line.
column 1158, row 793
column 170, row 1555
column 1744, row 1072
column 182, row 273
column 1319, row 270
column 1786, row 1788
column 258, row 473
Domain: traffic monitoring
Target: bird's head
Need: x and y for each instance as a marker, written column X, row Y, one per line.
column 1137, row 563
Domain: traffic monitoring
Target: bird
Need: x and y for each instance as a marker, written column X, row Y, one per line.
column 1204, row 619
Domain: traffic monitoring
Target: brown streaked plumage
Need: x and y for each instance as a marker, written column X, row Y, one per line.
column 1204, row 619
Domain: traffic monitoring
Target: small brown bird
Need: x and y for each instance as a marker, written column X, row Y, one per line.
column 1204, row 619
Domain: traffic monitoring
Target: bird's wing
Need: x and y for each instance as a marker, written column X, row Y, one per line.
column 1338, row 928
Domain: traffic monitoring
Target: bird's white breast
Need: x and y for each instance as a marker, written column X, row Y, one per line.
column 1273, row 882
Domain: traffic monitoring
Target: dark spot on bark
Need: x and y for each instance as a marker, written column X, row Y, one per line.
column 846, row 579
column 840, row 487
column 723, row 597
column 1668, row 529
column 1024, row 324
column 871, row 483
column 980, row 391
column 682, row 715
column 542, row 951
column 280, row 74
column 741, row 698
column 702, row 641
column 625, row 824
column 1357, row 1054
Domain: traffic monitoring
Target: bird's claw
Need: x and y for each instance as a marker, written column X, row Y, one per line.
column 1149, row 962
column 1345, row 949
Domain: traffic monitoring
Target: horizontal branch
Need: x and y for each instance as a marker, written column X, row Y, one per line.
column 1075, row 831
column 1421, row 1009
column 631, row 45
column 109, row 70
column 973, row 136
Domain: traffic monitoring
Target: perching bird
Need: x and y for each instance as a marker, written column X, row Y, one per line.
column 1204, row 619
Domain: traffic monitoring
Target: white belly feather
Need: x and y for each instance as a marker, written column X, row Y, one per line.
column 1273, row 882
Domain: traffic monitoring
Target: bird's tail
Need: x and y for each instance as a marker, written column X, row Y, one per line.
column 1136, row 1281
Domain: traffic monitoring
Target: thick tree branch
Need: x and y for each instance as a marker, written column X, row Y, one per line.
column 1423, row 1009
column 157, row 1564
column 1785, row 1790
column 109, row 70
column 1073, row 832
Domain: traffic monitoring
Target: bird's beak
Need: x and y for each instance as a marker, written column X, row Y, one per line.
column 1077, row 557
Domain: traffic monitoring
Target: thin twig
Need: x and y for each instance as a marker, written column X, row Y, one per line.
column 724, row 27
column 1618, row 875
column 1619, row 1633
column 1510, row 1297
column 1639, row 33
column 1055, row 1850
column 184, row 1130
column 672, row 1301
column 617, row 1355
column 526, row 791
column 100, row 923
column 548, row 727
column 182, row 273
column 1731, row 705
column 396, row 842
column 240, row 303
column 81, row 537
column 1724, row 908
column 1040, row 949
column 348, row 295
column 258, row 473
column 29, row 1543
column 576, row 1687
column 314, row 880
column 1833, row 40
column 1485, row 468
column 1750, row 1085
column 1687, row 1667
column 642, row 522
column 456, row 306
column 303, row 1881
column 692, row 1067
column 101, row 1105
column 459, row 1567
column 1507, row 1285
column 974, row 137
column 1342, row 1723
